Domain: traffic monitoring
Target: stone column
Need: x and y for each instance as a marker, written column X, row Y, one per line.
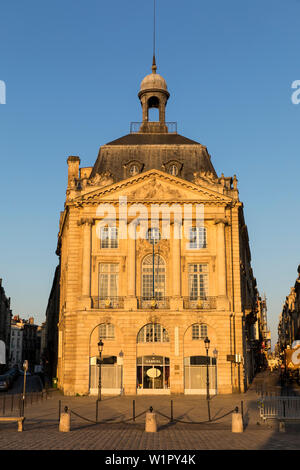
column 86, row 261
column 221, row 265
column 130, row 300
column 176, row 301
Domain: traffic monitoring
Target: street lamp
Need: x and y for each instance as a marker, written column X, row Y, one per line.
column 121, row 355
column 99, row 361
column 207, row 343
column 25, row 368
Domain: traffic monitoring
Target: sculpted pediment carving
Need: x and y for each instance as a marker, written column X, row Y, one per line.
column 153, row 185
column 154, row 190
column 101, row 179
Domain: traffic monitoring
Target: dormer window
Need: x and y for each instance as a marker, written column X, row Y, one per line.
column 173, row 170
column 173, row 167
column 133, row 170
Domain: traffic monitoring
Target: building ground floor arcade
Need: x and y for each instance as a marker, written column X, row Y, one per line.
column 151, row 352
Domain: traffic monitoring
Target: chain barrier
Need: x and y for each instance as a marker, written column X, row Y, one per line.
column 109, row 421
column 195, row 422
column 170, row 418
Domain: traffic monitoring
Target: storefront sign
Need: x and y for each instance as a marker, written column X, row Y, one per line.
column 153, row 360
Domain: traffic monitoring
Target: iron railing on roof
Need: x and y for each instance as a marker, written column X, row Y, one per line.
column 135, row 127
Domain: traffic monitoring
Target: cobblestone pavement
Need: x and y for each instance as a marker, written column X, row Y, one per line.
column 41, row 431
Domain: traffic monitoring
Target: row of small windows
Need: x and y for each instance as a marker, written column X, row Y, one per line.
column 152, row 333
column 109, row 237
column 154, row 288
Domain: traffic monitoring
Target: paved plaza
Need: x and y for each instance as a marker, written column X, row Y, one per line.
column 117, row 430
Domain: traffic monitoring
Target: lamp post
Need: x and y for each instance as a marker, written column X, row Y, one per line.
column 99, row 361
column 215, row 353
column 207, row 343
column 25, row 368
column 121, row 355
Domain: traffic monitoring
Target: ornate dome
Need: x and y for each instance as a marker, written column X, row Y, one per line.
column 153, row 81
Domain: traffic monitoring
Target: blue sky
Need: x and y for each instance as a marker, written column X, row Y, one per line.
column 72, row 71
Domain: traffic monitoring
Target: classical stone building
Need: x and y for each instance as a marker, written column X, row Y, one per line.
column 289, row 320
column 153, row 299
column 26, row 342
column 5, row 318
column 49, row 346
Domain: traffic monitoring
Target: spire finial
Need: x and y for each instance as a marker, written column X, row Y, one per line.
column 154, row 65
column 154, row 34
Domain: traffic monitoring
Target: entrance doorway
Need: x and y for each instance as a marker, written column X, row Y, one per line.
column 111, row 376
column 195, row 375
column 153, row 374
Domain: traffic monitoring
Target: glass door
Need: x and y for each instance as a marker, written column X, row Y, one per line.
column 153, row 372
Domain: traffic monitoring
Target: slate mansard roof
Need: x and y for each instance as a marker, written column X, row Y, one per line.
column 153, row 151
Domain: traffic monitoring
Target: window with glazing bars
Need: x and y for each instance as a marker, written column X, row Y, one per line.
column 153, row 333
column 198, row 281
column 106, row 331
column 159, row 277
column 197, row 238
column 199, row 331
column 108, row 280
column 109, row 237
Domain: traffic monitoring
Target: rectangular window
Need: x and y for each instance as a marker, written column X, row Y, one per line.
column 199, row 331
column 197, row 238
column 198, row 281
column 109, row 237
column 106, row 331
column 108, row 280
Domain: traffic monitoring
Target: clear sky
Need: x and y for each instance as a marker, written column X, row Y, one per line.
column 72, row 71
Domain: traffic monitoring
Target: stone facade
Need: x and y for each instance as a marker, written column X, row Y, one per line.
column 5, row 318
column 289, row 321
column 152, row 305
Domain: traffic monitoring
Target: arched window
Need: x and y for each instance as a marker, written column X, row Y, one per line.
column 153, row 277
column 153, row 333
column 133, row 170
column 173, row 170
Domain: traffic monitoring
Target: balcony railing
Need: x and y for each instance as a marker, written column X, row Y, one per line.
column 107, row 302
column 208, row 303
column 153, row 303
column 136, row 127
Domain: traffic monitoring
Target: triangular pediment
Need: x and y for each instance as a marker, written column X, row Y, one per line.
column 153, row 186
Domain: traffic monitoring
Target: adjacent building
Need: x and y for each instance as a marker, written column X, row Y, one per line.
column 5, row 318
column 168, row 268
column 289, row 320
column 25, row 342
column 16, row 343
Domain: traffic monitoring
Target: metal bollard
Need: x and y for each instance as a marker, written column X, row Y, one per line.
column 237, row 421
column 65, row 421
column 151, row 424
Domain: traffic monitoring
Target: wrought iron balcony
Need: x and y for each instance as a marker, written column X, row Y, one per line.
column 107, row 302
column 153, row 303
column 198, row 303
